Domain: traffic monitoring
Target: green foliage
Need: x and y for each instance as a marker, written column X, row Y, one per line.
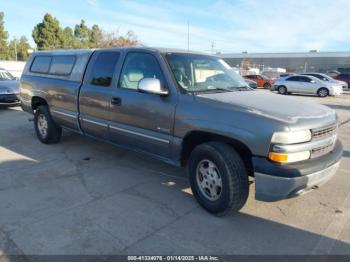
column 95, row 37
column 20, row 46
column 82, row 33
column 69, row 40
column 3, row 39
column 48, row 34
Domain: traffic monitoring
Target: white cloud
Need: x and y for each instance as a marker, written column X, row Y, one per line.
column 92, row 2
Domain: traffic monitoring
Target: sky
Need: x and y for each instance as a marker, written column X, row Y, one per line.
column 223, row 26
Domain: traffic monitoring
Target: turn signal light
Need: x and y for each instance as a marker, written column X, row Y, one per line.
column 289, row 157
column 281, row 158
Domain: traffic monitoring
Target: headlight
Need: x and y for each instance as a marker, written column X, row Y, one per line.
column 292, row 137
column 289, row 157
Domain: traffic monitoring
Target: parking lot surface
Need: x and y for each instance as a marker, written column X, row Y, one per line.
column 83, row 196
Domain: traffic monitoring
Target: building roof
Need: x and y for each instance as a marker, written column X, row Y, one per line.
column 285, row 55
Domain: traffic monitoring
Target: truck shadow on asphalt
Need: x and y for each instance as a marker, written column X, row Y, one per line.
column 339, row 107
column 83, row 196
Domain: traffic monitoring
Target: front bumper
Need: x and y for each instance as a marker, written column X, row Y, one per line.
column 275, row 182
column 336, row 91
column 9, row 100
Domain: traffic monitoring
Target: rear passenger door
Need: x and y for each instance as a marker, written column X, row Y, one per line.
column 140, row 120
column 96, row 92
column 293, row 83
column 307, row 85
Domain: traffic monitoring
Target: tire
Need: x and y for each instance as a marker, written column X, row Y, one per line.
column 267, row 86
column 323, row 92
column 282, row 90
column 47, row 131
column 229, row 167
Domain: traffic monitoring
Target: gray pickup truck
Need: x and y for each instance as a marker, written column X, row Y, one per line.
column 188, row 109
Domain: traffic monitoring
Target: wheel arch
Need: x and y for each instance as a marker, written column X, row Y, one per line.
column 195, row 138
column 37, row 101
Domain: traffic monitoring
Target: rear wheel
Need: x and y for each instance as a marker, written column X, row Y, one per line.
column 282, row 90
column 267, row 85
column 218, row 178
column 323, row 92
column 47, row 131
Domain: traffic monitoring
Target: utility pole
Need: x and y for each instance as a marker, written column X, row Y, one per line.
column 15, row 41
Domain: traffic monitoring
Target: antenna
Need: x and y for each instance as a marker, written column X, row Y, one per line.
column 188, row 35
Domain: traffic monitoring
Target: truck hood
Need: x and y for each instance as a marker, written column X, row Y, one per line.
column 9, row 86
column 278, row 107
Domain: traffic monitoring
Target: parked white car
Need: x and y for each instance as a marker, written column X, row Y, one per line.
column 9, row 89
column 306, row 84
column 327, row 78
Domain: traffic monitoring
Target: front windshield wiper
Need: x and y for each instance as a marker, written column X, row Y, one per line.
column 240, row 88
column 226, row 89
column 210, row 90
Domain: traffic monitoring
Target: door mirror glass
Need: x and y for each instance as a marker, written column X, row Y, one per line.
column 151, row 86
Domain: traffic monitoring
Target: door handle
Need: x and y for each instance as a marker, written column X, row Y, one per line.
column 116, row 101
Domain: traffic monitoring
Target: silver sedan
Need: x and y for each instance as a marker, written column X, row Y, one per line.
column 307, row 85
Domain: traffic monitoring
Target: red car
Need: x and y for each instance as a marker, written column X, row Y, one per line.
column 261, row 80
column 343, row 77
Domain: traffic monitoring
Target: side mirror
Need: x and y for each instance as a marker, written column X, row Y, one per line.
column 151, row 86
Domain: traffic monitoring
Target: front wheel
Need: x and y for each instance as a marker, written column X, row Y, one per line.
column 218, row 178
column 47, row 131
column 323, row 92
column 282, row 90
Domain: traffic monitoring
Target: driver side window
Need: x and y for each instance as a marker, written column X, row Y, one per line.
column 138, row 66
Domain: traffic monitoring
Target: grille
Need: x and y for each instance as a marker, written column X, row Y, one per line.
column 316, row 152
column 324, row 132
column 9, row 98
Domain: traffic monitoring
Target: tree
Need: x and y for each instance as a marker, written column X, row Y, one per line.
column 69, row 40
column 82, row 33
column 3, row 39
column 96, row 36
column 48, row 34
column 113, row 39
column 20, row 46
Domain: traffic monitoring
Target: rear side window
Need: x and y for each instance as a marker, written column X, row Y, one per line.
column 62, row 65
column 41, row 64
column 304, row 79
column 293, row 78
column 103, row 69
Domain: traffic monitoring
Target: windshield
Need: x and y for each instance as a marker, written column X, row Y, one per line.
column 5, row 75
column 201, row 73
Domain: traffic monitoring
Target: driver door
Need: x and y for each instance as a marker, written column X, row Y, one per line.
column 142, row 121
